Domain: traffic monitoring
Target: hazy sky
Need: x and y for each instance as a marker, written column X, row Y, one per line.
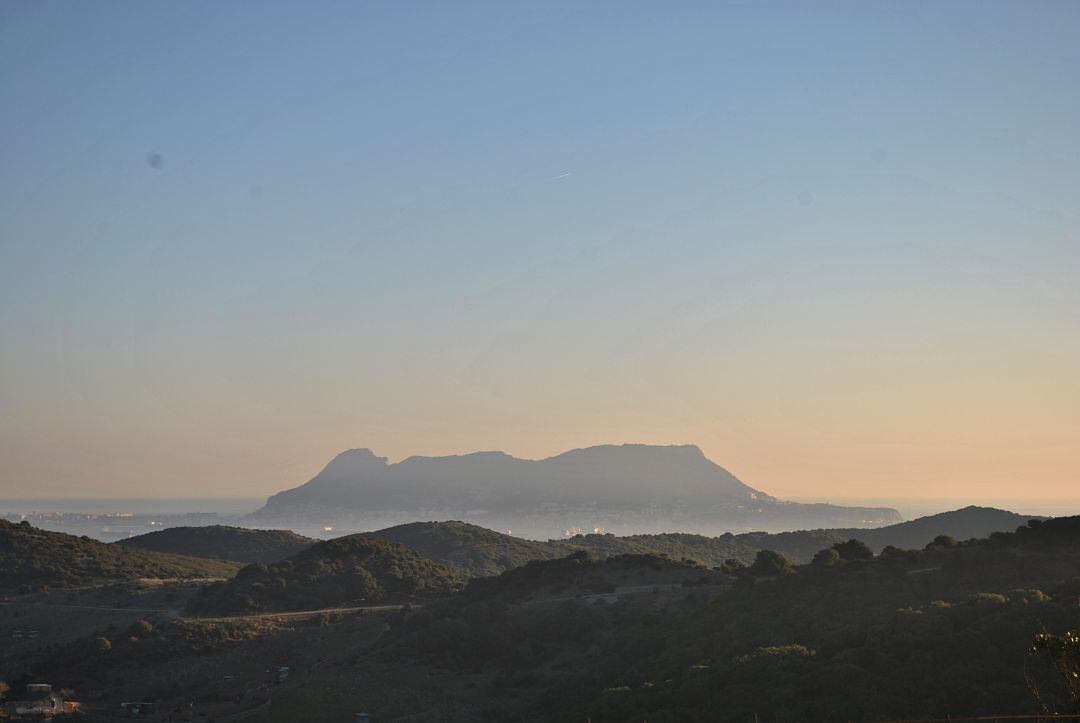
column 835, row 245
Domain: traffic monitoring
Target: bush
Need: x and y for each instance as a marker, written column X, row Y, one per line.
column 826, row 558
column 942, row 541
column 853, row 550
column 769, row 562
column 139, row 628
column 987, row 598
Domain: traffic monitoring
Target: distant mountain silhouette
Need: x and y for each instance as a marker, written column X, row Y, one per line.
column 632, row 474
column 223, row 543
column 633, row 487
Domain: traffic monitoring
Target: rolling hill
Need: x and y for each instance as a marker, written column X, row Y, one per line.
column 963, row 524
column 31, row 558
column 347, row 570
column 477, row 551
column 925, row 634
column 223, row 543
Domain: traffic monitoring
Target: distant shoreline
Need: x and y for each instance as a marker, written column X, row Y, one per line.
column 150, row 505
column 910, row 507
column 913, row 507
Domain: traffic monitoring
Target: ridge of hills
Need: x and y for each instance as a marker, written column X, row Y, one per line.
column 475, row 551
column 478, row 551
column 32, row 558
column 223, row 542
column 949, row 630
column 345, row 570
column 916, row 634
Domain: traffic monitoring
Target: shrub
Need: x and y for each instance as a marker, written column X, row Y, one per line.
column 987, row 598
column 140, row 628
column 769, row 562
column 826, row 558
column 941, row 541
column 853, row 550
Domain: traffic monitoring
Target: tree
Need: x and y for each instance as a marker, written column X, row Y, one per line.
column 1064, row 654
column 941, row 541
column 853, row 550
column 826, row 558
column 732, row 565
column 769, row 562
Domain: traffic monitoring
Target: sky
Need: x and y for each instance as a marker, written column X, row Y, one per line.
column 836, row 245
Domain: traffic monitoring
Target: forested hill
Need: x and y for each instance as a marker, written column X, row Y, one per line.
column 32, row 558
column 964, row 524
column 476, row 551
column 712, row 551
column 920, row 634
column 801, row 545
column 344, row 571
column 223, row 543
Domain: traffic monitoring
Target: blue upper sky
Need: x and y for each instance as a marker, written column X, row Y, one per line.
column 834, row 244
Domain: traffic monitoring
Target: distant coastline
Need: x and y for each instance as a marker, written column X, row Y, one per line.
column 909, row 507
column 143, row 505
column 914, row 507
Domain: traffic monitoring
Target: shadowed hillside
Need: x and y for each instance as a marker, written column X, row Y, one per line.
column 348, row 570
column 580, row 573
column 915, row 634
column 476, row 551
column 223, row 543
column 31, row 558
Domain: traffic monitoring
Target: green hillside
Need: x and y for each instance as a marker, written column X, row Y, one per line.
column 32, row 558
column 223, row 543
